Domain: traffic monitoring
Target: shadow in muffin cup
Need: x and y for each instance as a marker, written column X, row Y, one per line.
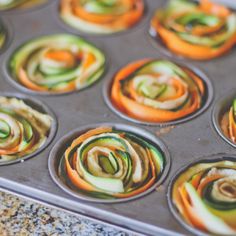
column 222, row 106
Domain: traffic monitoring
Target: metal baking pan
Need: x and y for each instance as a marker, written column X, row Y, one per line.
column 186, row 142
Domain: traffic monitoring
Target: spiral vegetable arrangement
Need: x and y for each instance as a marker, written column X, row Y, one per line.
column 23, row 130
column 199, row 31
column 101, row 16
column 3, row 34
column 10, row 4
column 228, row 122
column 108, row 163
column 157, row 91
column 205, row 196
column 57, row 64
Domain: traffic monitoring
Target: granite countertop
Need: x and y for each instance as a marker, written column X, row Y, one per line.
column 19, row 216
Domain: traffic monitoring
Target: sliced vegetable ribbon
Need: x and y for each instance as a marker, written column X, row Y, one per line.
column 228, row 123
column 10, row 4
column 102, row 16
column 108, row 163
column 199, row 31
column 23, row 130
column 57, row 64
column 205, row 195
column 157, row 91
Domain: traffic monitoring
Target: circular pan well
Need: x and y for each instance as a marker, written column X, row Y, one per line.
column 5, row 24
column 173, row 209
column 41, row 107
column 158, row 43
column 207, row 102
column 57, row 153
column 222, row 106
column 27, row 7
column 13, row 80
column 141, row 22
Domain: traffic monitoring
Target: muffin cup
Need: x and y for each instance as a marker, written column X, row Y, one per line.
column 58, row 150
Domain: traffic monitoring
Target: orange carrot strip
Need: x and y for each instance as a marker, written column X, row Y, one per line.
column 74, row 176
column 205, row 181
column 213, row 8
column 232, row 125
column 189, row 211
column 61, row 55
column 23, row 78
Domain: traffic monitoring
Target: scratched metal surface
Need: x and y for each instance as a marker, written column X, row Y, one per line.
column 186, row 142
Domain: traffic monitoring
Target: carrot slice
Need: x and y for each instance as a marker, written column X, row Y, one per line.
column 89, row 134
column 213, row 8
column 205, row 181
column 122, row 74
column 62, row 56
column 27, row 82
column 189, row 211
column 232, row 125
column 74, row 176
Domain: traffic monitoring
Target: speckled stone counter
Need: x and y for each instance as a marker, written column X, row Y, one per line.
column 19, row 216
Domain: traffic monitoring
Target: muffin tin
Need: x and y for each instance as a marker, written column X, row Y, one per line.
column 148, row 214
